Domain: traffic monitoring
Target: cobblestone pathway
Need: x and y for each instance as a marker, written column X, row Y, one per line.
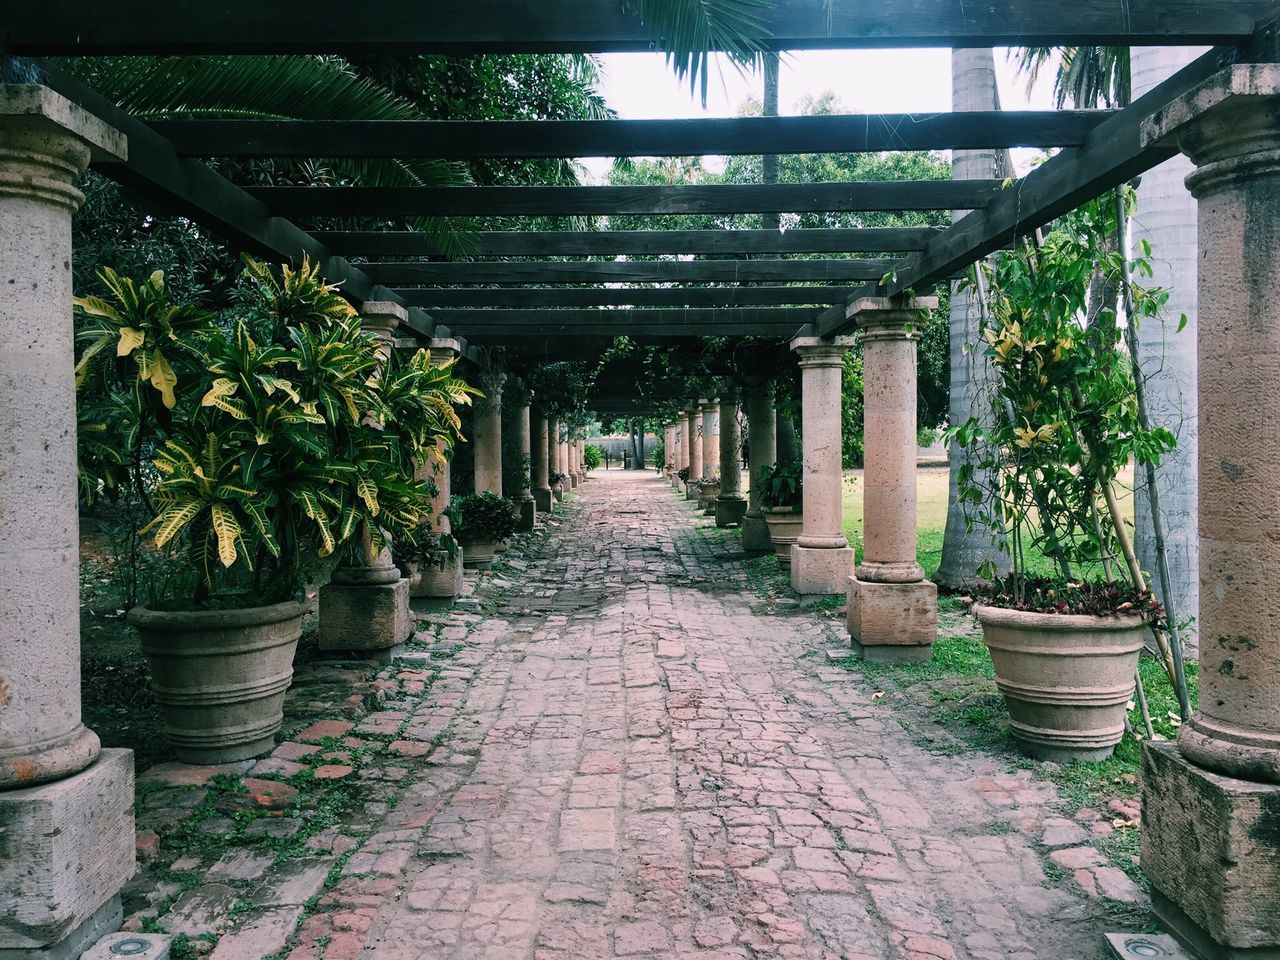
column 622, row 751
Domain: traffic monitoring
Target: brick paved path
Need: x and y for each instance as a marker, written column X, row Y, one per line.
column 637, row 759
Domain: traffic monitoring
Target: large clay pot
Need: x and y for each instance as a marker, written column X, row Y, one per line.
column 1066, row 678
column 707, row 496
column 220, row 676
column 477, row 553
column 557, row 491
column 434, row 580
column 785, row 524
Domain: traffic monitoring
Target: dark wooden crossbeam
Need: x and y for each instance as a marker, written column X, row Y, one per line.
column 604, row 201
column 465, row 140
column 695, row 322
column 462, row 27
column 727, row 296
column 626, row 271
column 613, row 243
column 1112, row 155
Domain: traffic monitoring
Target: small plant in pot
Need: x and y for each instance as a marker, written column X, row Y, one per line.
column 708, row 490
column 431, row 561
column 1066, row 627
column 258, row 442
column 483, row 519
column 781, row 502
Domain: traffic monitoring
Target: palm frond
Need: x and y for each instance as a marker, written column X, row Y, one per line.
column 688, row 31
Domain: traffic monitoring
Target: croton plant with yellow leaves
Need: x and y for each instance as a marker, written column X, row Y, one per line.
column 1061, row 418
column 262, row 437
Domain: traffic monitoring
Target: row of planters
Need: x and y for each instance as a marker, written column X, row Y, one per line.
column 269, row 443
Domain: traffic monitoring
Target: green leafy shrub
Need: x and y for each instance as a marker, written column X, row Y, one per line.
column 781, row 485
column 484, row 518
column 592, row 456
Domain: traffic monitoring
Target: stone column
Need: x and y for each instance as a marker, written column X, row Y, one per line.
column 893, row 609
column 762, row 453
column 710, row 436
column 682, row 447
column 487, row 436
column 669, row 449
column 540, row 467
column 730, row 504
column 693, row 432
column 365, row 606
column 519, row 419
column 66, row 805
column 566, row 467
column 821, row 559
column 553, row 452
column 1211, row 805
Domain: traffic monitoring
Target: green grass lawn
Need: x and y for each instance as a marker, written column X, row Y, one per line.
column 931, row 514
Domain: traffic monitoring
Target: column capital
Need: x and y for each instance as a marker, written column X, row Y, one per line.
column 1228, row 126
column 380, row 318
column 446, row 346
column 47, row 142
column 822, row 351
column 889, row 318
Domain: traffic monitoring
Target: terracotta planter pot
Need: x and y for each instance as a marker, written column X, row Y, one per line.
column 220, row 676
column 707, row 493
column 1066, row 679
column 557, row 491
column 785, row 524
column 477, row 553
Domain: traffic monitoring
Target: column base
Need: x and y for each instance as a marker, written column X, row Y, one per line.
column 572, row 481
column 364, row 619
column 68, row 849
column 1211, row 849
column 892, row 622
column 730, row 510
column 820, row 571
column 755, row 535
column 542, row 500
column 528, row 516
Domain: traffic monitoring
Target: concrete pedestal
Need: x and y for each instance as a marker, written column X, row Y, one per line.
column 755, row 535
column 364, row 619
column 65, row 849
column 543, row 500
column 820, row 570
column 892, row 622
column 1222, row 834
column 528, row 515
column 730, row 510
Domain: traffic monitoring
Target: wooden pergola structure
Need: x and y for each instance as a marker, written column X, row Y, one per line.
column 769, row 284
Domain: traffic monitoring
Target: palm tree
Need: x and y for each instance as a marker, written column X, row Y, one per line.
column 973, row 87
column 1085, row 76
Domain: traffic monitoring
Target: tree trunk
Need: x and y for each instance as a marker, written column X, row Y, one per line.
column 1166, row 217
column 973, row 87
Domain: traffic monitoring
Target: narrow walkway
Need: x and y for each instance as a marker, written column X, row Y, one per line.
column 640, row 760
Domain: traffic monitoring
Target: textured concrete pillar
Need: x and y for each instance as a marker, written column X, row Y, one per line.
column 66, row 805
column 562, row 458
column 1166, row 217
column 762, row 453
column 486, row 436
column 821, row 558
column 893, row 609
column 710, row 437
column 553, row 450
column 1210, row 843
column 731, row 504
column 682, row 447
column 693, row 433
column 365, row 606
column 540, row 468
column 519, row 419
column 668, row 449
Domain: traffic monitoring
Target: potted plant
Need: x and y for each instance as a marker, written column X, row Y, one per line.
column 483, row 519
column 683, row 476
column 708, row 490
column 265, row 433
column 556, row 482
column 1065, row 628
column 431, row 561
column 782, row 503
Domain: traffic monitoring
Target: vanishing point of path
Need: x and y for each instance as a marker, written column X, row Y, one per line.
column 644, row 760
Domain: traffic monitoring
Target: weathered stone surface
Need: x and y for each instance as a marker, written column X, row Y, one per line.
column 892, row 621
column 66, row 849
column 261, row 935
column 201, row 910
column 157, row 947
column 816, row 571
column 1223, row 833
column 364, row 618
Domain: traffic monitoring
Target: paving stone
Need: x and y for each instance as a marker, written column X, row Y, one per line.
column 270, row 793
column 263, row 934
column 201, row 910
column 241, row 865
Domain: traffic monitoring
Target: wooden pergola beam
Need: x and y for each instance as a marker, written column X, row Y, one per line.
column 613, row 243
column 608, row 201
column 726, row 296
column 484, row 325
column 626, row 271
column 464, row 27
column 1111, row 155
column 464, row 140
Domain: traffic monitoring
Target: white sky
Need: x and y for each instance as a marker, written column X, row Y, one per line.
column 640, row 86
